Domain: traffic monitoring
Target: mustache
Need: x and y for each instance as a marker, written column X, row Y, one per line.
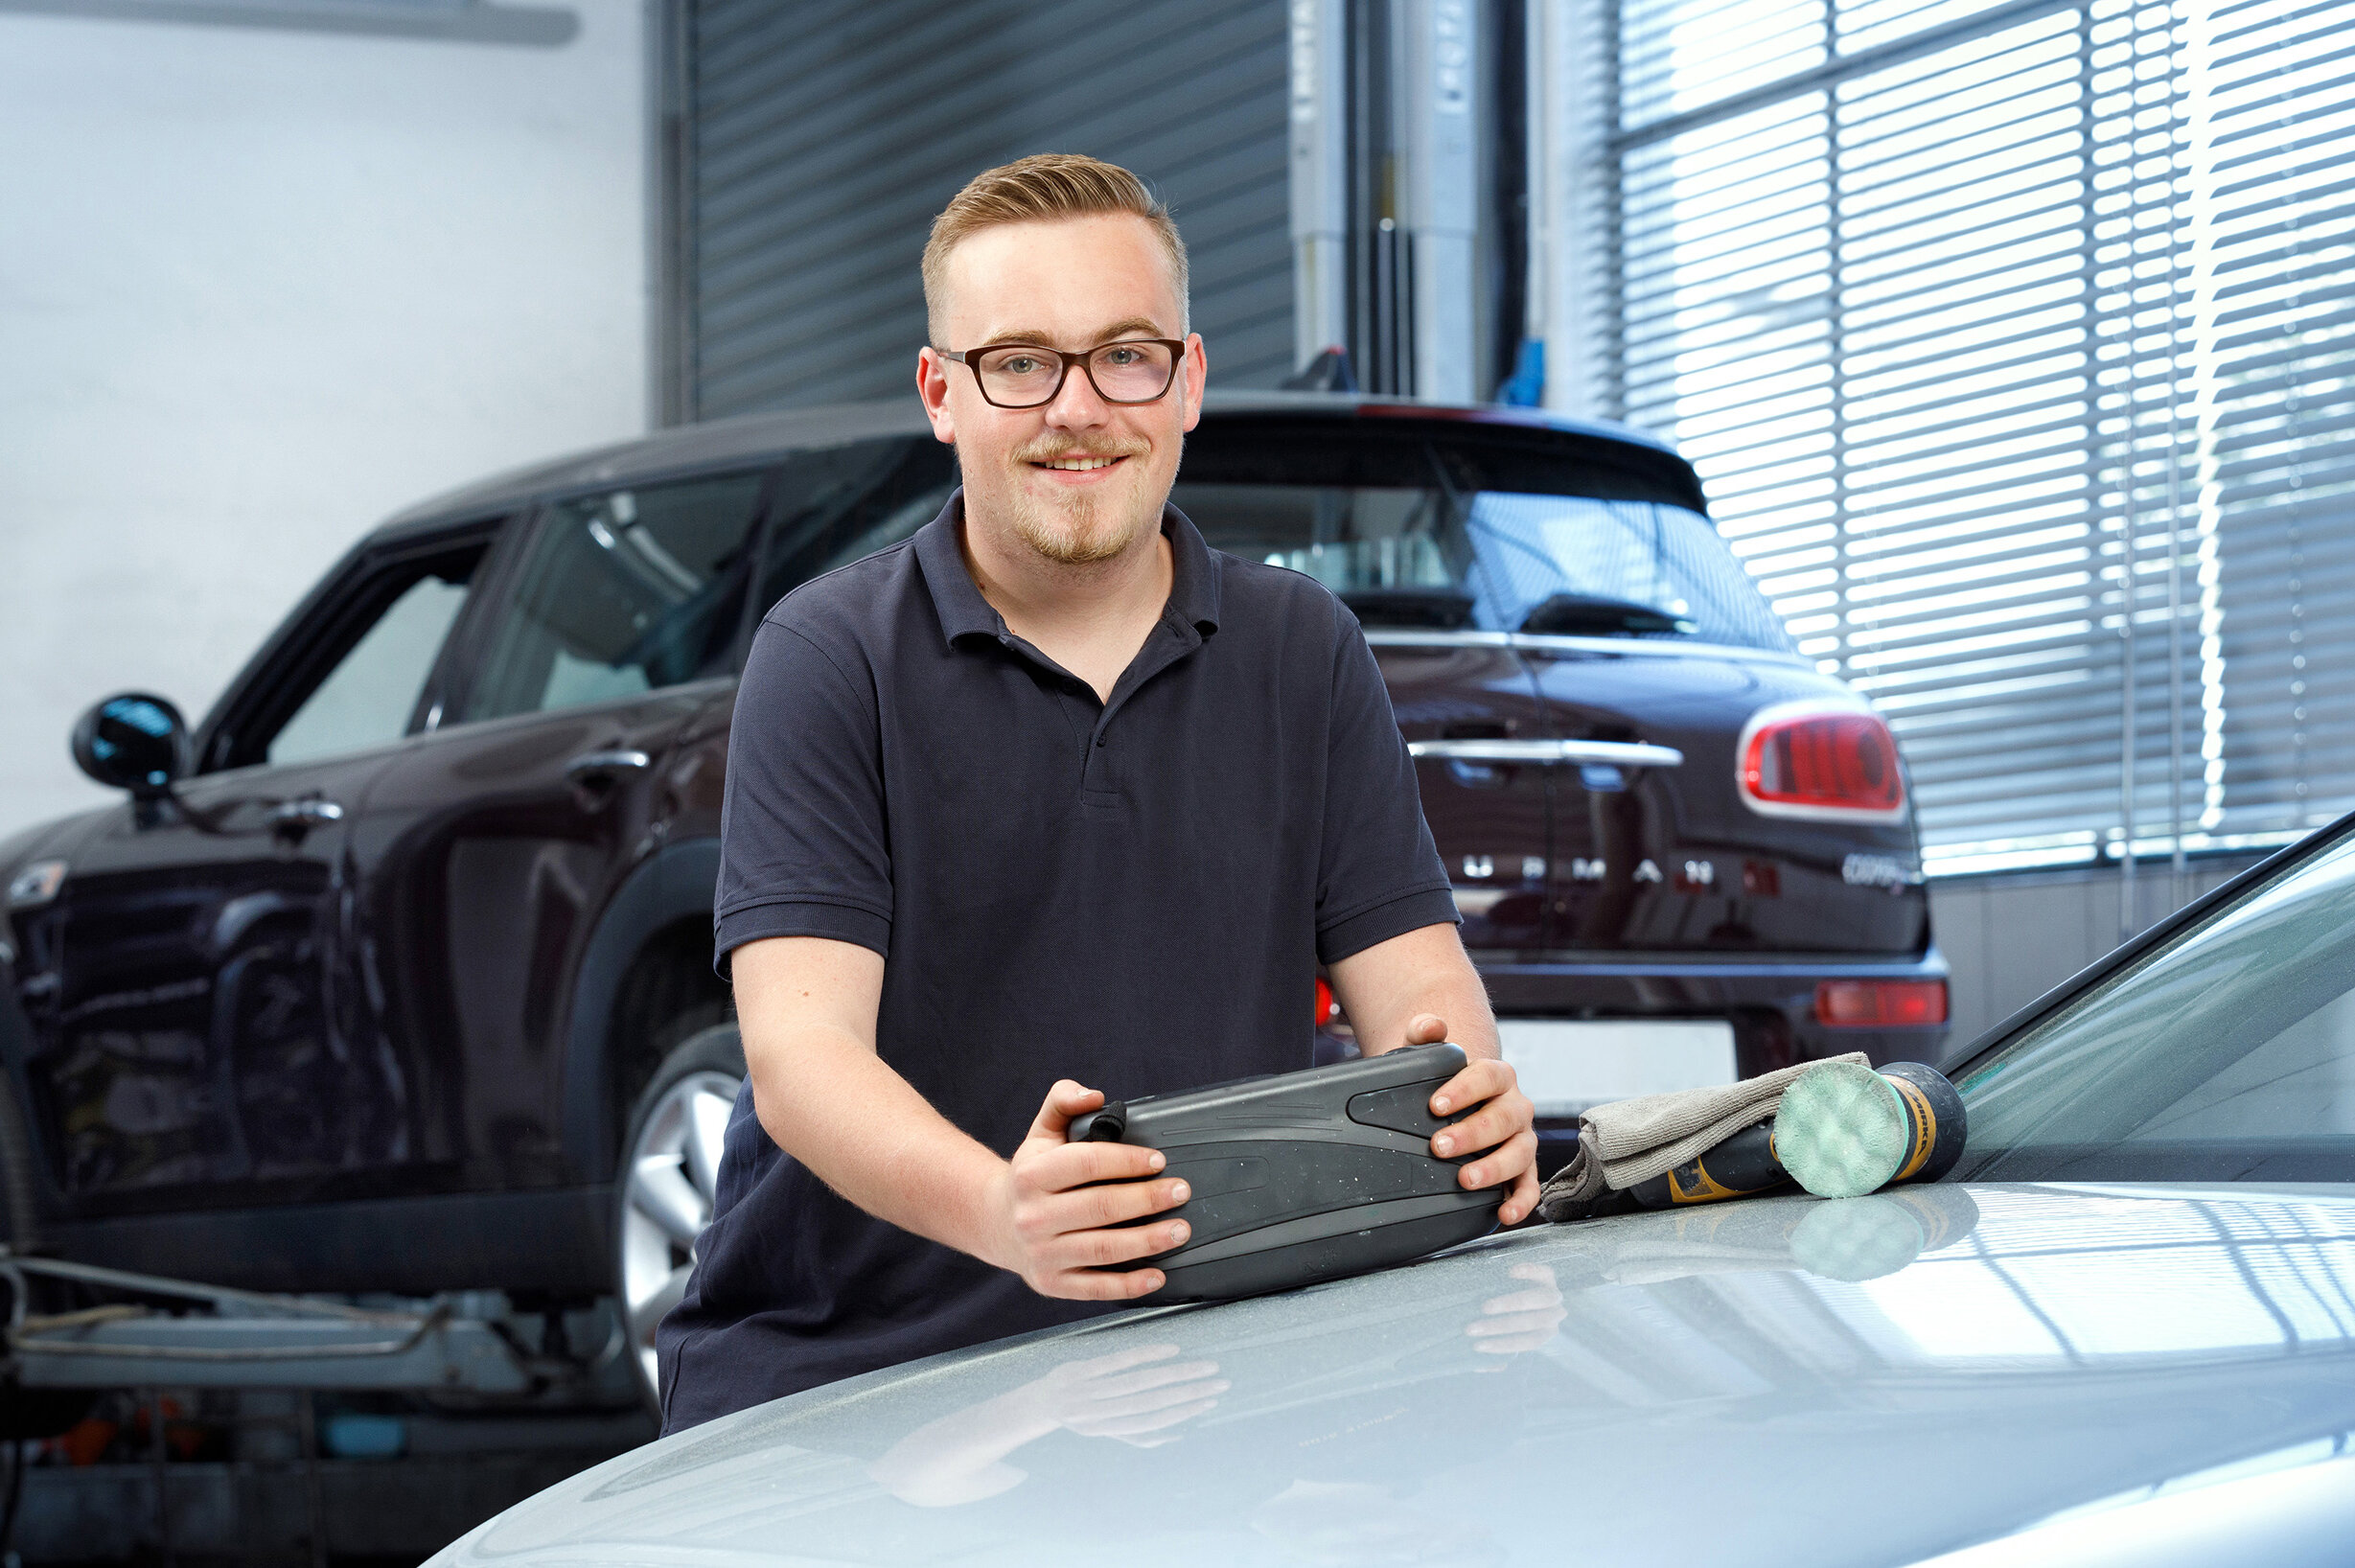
column 1048, row 452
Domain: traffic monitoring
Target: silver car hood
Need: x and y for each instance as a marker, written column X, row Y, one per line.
column 2062, row 1372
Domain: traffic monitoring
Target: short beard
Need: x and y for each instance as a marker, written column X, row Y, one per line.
column 1072, row 534
column 1086, row 528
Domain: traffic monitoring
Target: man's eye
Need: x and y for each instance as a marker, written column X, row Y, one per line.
column 1021, row 364
column 1123, row 358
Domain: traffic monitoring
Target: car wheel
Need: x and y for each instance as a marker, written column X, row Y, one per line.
column 665, row 1185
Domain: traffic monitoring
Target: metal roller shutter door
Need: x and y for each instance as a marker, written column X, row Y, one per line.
column 822, row 136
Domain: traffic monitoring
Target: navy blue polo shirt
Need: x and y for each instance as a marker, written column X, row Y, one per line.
column 1133, row 892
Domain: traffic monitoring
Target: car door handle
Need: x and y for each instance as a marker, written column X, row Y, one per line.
column 604, row 767
column 1610, row 753
column 299, row 816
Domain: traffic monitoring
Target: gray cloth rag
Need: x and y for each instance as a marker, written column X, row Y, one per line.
column 1632, row 1141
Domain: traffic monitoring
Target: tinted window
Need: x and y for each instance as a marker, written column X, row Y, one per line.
column 1501, row 530
column 840, row 504
column 2227, row 1053
column 1495, row 560
column 368, row 696
column 623, row 593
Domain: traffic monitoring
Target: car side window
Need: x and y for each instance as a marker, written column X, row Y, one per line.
column 840, row 504
column 623, row 593
column 367, row 696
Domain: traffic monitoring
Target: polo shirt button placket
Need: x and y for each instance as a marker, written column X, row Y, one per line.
column 1094, row 786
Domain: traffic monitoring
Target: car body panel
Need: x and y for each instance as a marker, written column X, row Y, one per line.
column 1658, row 892
column 493, row 869
column 1784, row 1380
column 1492, row 821
column 1730, row 879
column 554, row 1239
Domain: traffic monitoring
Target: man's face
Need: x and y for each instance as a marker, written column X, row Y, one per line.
column 1077, row 479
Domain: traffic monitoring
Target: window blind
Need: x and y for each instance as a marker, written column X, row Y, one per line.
column 2013, row 346
column 2272, row 125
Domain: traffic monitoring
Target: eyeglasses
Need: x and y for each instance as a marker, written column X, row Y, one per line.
column 1028, row 375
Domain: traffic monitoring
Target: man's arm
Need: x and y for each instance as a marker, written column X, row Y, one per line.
column 807, row 1007
column 1418, row 988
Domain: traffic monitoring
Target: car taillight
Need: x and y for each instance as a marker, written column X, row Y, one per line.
column 1829, row 764
column 1866, row 1005
column 1328, row 1009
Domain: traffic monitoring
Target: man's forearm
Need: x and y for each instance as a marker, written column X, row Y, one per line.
column 1386, row 987
column 893, row 1155
column 1056, row 1214
column 1458, row 997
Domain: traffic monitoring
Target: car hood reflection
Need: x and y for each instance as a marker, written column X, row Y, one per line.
column 1783, row 1380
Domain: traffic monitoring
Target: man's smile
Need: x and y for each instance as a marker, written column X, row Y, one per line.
column 1085, row 469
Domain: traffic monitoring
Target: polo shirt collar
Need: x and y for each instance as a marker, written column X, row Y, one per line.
column 1193, row 585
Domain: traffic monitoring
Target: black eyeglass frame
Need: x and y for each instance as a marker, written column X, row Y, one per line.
column 1063, row 372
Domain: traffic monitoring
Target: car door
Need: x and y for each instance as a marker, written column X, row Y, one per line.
column 496, row 839
column 201, row 1017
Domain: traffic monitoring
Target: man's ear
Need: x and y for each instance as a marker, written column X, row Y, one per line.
column 932, row 387
column 1197, row 370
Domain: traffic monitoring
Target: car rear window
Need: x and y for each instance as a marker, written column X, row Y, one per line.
column 1415, row 528
column 1495, row 561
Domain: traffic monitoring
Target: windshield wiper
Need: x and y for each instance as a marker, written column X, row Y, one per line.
column 1591, row 615
column 1420, row 609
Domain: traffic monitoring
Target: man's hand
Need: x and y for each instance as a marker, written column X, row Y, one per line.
column 1503, row 1131
column 1051, row 1225
column 1135, row 1395
column 1521, row 1320
column 1132, row 1395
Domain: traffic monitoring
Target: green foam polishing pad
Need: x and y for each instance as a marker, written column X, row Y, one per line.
column 1841, row 1130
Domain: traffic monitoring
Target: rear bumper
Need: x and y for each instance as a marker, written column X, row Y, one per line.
column 1771, row 1002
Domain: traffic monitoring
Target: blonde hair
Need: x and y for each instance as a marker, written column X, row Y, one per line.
column 1041, row 188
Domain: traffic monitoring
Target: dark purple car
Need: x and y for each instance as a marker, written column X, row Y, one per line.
column 395, row 974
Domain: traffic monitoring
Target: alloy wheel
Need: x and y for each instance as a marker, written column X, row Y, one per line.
column 673, row 1172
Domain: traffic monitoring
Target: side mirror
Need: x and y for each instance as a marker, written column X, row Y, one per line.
column 133, row 741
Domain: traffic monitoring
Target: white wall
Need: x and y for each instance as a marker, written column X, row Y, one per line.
column 260, row 288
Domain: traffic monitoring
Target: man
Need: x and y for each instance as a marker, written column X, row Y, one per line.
column 1050, row 798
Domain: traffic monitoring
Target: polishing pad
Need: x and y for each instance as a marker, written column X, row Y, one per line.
column 1861, row 1240
column 1841, row 1130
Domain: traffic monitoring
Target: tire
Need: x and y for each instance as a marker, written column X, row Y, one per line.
column 662, row 1189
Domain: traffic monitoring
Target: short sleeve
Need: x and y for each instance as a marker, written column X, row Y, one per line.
column 803, row 851
column 1380, row 873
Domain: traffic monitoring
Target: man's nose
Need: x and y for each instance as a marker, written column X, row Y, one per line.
column 1076, row 404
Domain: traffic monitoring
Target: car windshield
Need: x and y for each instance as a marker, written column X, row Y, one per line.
column 1498, row 561
column 2226, row 1054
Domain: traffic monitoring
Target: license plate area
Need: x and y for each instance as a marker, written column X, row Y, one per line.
column 1568, row 1065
